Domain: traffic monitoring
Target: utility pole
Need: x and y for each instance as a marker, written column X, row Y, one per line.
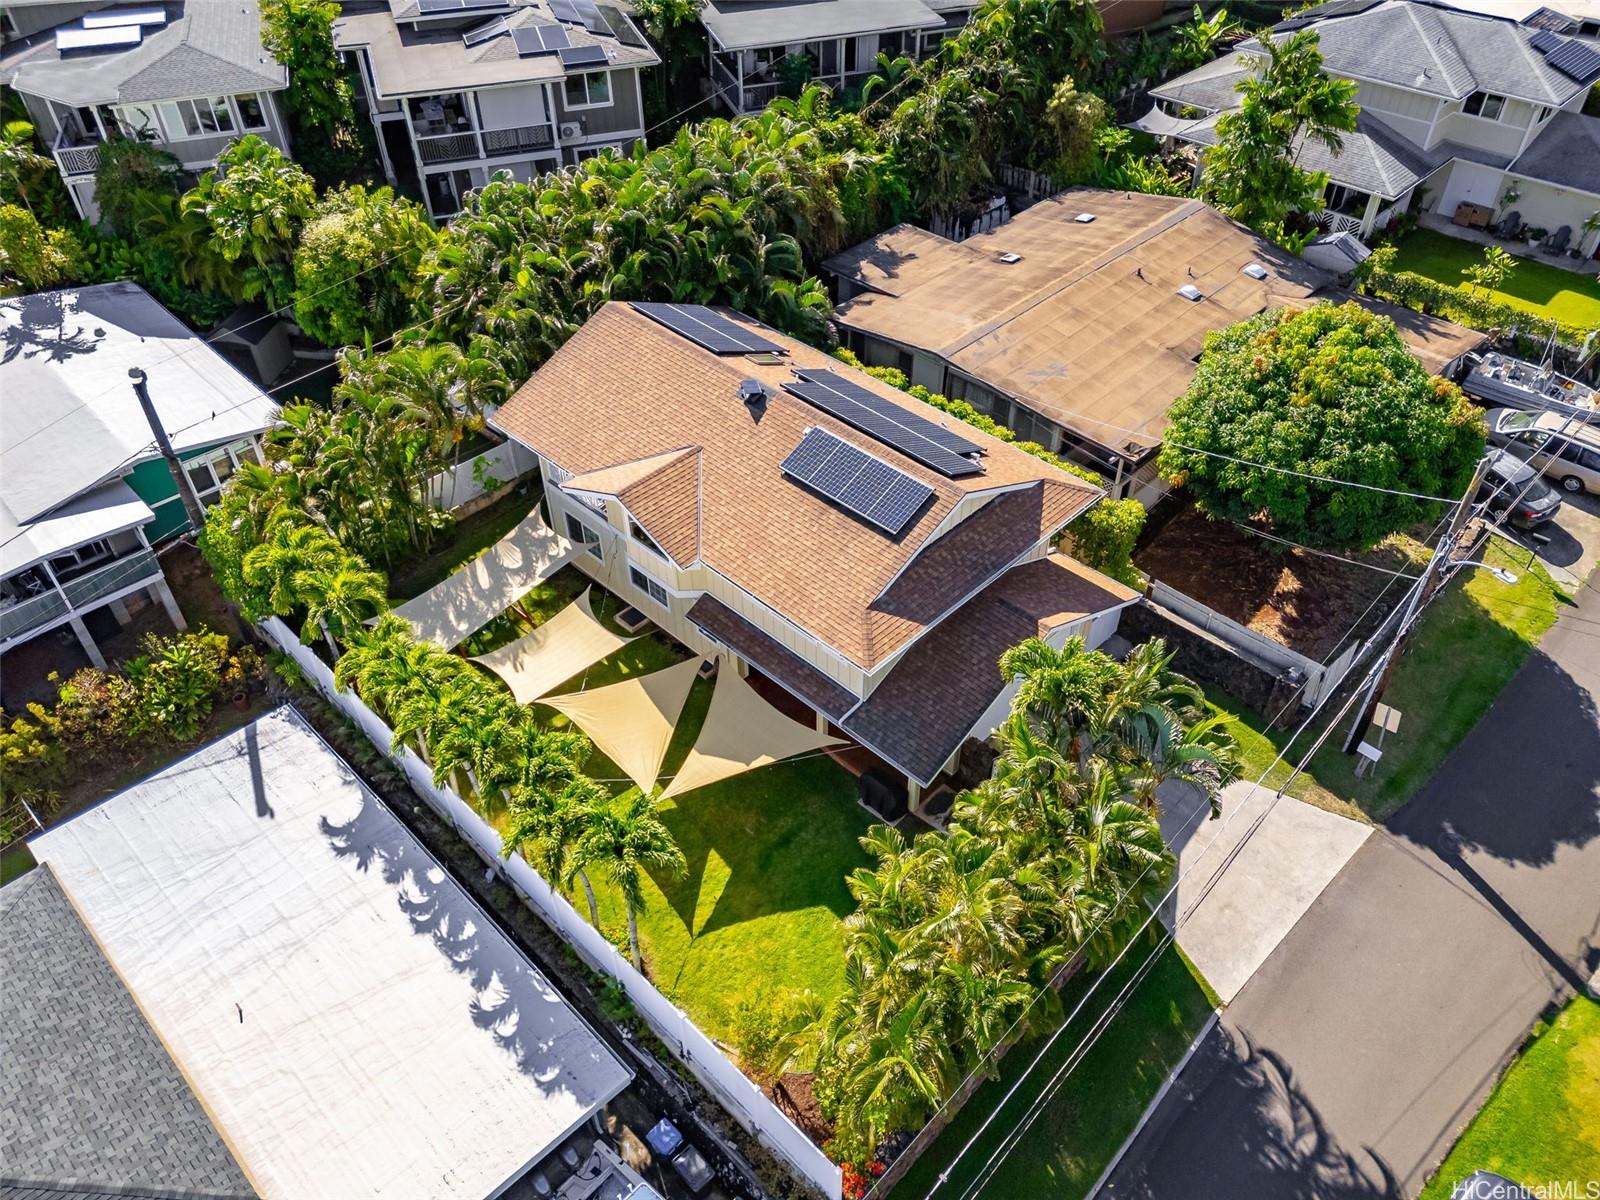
column 186, row 493
column 1432, row 579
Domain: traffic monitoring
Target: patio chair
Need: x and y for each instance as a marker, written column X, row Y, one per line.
column 1556, row 243
column 1510, row 225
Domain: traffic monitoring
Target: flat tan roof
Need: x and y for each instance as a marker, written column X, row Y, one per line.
column 1087, row 326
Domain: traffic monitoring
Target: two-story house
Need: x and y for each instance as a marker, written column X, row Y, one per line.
column 84, row 494
column 1467, row 115
column 460, row 90
column 187, row 75
column 836, row 42
column 862, row 552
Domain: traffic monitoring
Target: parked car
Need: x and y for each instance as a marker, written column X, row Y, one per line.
column 1515, row 492
column 1539, row 437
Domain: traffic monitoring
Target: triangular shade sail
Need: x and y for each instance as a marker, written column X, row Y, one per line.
column 567, row 643
column 451, row 612
column 742, row 732
column 632, row 721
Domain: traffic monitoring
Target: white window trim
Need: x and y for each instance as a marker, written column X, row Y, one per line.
column 263, row 102
column 1487, row 96
column 611, row 91
column 651, row 586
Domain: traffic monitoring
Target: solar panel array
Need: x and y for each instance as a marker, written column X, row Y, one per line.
column 706, row 328
column 583, row 56
column 929, row 443
column 1572, row 58
column 580, row 12
column 539, row 39
column 432, row 8
column 864, row 486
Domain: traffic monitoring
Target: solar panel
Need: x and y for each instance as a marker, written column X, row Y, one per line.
column 621, row 28
column 706, row 328
column 539, row 39
column 864, row 486
column 565, row 10
column 108, row 18
column 1572, row 58
column 583, row 56
column 486, row 32
column 432, row 8
column 928, row 442
column 99, row 39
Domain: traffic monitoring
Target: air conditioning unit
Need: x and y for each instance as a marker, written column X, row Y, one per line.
column 571, row 130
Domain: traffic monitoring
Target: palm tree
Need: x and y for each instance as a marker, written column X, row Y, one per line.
column 293, row 550
column 623, row 837
column 339, row 597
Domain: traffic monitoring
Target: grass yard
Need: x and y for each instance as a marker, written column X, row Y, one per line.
column 1534, row 286
column 1541, row 1125
column 464, row 543
column 761, row 906
column 1099, row 1102
column 1258, row 750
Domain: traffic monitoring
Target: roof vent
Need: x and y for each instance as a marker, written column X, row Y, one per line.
column 1189, row 292
column 752, row 392
column 1008, row 257
column 1254, row 270
column 1083, row 218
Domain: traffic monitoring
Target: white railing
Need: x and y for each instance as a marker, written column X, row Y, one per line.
column 78, row 160
column 1338, row 222
column 477, row 476
column 518, row 139
column 80, row 594
column 745, row 1102
column 448, row 147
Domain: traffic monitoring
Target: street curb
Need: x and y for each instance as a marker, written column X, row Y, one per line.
column 1155, row 1103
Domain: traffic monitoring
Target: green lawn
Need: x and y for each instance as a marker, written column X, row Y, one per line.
column 1534, row 286
column 1098, row 1102
column 761, row 906
column 465, row 542
column 1541, row 1125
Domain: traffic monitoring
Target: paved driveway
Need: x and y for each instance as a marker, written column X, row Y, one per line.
column 1571, row 544
column 1240, row 892
column 1351, row 1061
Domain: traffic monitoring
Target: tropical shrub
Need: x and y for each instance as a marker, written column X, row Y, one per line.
column 33, row 258
column 1462, row 304
column 356, row 268
column 30, row 179
column 135, row 180
column 1331, row 393
column 1104, row 538
column 320, row 100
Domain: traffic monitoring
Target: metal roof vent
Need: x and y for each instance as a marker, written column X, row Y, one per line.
column 1008, row 257
column 752, row 392
column 1084, row 218
column 1255, row 270
column 1189, row 292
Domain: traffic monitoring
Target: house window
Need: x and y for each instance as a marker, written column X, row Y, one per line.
column 578, row 532
column 80, row 558
column 136, row 122
column 588, row 91
column 1544, row 113
column 197, row 118
column 648, row 586
column 208, row 475
column 252, row 112
column 1484, row 104
column 637, row 533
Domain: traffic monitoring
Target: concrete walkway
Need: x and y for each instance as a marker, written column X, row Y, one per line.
column 1233, row 906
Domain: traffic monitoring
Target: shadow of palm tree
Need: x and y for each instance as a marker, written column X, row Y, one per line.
column 42, row 329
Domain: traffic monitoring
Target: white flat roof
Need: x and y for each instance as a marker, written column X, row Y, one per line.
column 351, row 1021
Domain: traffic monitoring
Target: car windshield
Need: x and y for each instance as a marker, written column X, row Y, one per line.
column 1519, row 420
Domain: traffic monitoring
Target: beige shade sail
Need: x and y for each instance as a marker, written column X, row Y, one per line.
column 632, row 721
column 567, row 643
column 451, row 612
column 742, row 732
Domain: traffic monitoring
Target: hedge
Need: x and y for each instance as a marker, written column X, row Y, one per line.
column 1466, row 307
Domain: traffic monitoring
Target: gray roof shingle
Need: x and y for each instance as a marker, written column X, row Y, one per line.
column 206, row 48
column 1567, row 153
column 90, row 1102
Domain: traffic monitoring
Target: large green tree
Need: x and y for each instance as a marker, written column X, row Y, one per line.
column 356, row 269
column 1252, row 172
column 1287, row 409
column 320, row 100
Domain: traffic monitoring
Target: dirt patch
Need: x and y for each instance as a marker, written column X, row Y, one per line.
column 796, row 1095
column 1300, row 599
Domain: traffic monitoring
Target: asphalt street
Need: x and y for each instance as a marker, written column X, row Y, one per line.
column 1350, row 1062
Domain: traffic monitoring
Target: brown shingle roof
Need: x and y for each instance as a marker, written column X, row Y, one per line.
column 1087, row 328
column 625, row 388
column 770, row 656
column 662, row 492
column 921, row 713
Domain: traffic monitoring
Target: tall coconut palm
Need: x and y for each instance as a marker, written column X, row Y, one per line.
column 623, row 837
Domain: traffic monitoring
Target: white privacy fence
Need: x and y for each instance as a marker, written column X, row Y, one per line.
column 743, row 1099
column 481, row 474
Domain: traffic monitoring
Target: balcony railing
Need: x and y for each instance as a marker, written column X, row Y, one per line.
column 488, row 143
column 79, row 594
column 516, row 140
column 448, row 147
column 82, row 159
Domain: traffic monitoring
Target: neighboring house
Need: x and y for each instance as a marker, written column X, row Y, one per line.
column 1463, row 114
column 749, row 39
column 1077, row 323
column 459, row 92
column 188, row 75
column 84, row 494
column 245, row 976
column 874, row 567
